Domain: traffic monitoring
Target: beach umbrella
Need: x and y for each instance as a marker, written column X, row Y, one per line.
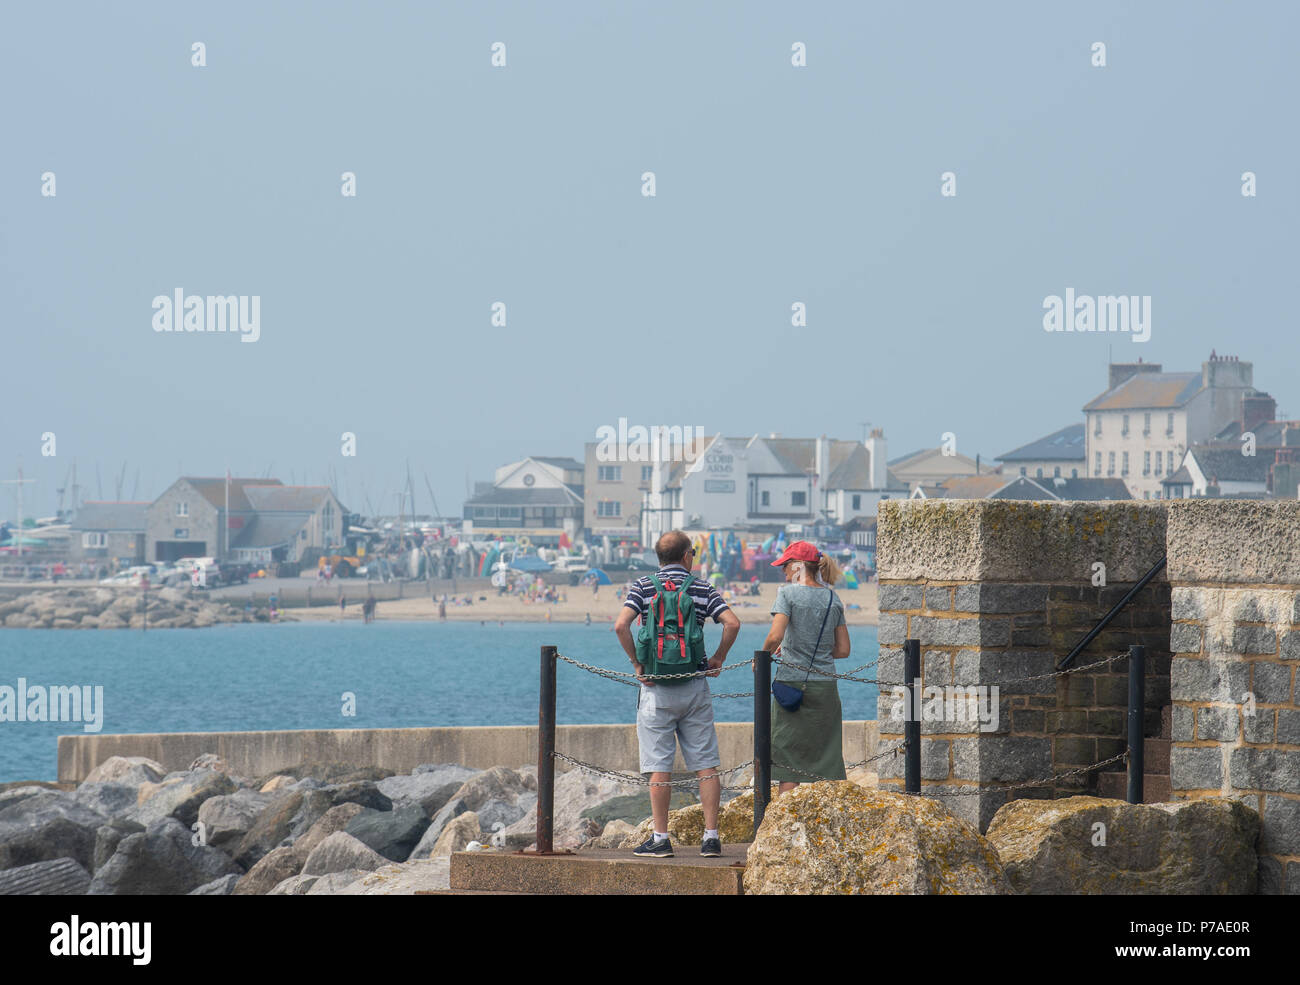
column 599, row 575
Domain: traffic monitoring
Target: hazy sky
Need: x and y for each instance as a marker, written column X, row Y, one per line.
column 522, row 184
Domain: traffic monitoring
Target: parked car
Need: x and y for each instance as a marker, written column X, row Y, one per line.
column 235, row 573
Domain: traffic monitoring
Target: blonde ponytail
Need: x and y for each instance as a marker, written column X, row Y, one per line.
column 829, row 571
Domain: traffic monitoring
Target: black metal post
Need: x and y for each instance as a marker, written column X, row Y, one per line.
column 546, row 754
column 912, row 720
column 762, row 734
column 1137, row 659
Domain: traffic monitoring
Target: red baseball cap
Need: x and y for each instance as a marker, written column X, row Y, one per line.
column 800, row 550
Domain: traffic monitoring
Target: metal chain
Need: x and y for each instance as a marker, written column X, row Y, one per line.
column 734, row 694
column 641, row 781
column 945, row 791
column 618, row 674
column 824, row 673
column 1020, row 680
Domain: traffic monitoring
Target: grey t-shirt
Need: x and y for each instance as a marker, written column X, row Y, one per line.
column 804, row 606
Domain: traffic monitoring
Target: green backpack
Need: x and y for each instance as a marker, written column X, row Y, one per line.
column 670, row 639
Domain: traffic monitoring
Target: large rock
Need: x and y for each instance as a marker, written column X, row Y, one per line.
column 56, row 877
column 329, row 773
column 612, row 835
column 429, row 786
column 317, row 801
column 109, row 836
column 134, row 770
column 270, row 829
column 339, row 852
column 402, row 880
column 109, row 799
column 160, row 861
column 45, row 826
column 498, row 789
column 224, row 820
column 269, row 871
column 393, row 834
column 334, row 883
column 223, row 886
column 686, row 824
column 1184, row 848
column 576, row 793
column 181, row 796
column 456, row 835
column 294, row 886
column 835, row 837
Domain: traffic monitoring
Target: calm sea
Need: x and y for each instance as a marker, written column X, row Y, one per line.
column 294, row 676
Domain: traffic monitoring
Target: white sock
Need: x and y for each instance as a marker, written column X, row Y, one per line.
column 661, row 837
column 711, row 833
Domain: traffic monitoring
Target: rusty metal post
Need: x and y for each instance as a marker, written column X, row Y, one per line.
column 1137, row 659
column 912, row 720
column 546, row 754
column 762, row 735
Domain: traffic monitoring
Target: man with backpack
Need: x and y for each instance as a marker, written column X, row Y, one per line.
column 673, row 605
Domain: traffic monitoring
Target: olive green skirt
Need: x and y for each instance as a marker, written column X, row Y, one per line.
column 810, row 739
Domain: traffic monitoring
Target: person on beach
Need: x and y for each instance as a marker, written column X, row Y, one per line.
column 809, row 632
column 676, row 710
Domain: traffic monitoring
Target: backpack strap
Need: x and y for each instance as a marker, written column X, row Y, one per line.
column 813, row 659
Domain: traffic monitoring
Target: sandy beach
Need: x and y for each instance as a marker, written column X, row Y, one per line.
column 578, row 603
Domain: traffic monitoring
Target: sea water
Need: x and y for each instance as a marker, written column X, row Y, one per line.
column 343, row 675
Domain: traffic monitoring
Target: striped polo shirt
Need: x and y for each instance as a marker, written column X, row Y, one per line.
column 706, row 598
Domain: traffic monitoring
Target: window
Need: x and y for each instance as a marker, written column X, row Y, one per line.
column 1110, row 463
column 765, row 499
column 1096, row 465
column 181, row 533
column 182, row 509
column 609, row 507
column 94, row 539
column 1146, row 424
column 647, row 472
column 1125, row 465
column 1169, row 426
column 327, row 519
column 1146, row 494
column 609, row 473
column 1146, row 463
column 1124, row 427
column 1023, row 470
column 857, row 501
column 510, row 511
column 1096, row 425
column 1038, row 474
column 1056, row 472
column 798, row 499
column 1074, row 473
column 1169, row 457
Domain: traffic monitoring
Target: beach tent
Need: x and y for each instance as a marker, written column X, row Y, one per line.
column 529, row 562
column 599, row 575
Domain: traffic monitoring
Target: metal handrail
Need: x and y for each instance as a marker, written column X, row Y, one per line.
column 1106, row 619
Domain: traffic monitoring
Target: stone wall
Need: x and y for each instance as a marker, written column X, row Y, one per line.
column 1235, row 571
column 997, row 591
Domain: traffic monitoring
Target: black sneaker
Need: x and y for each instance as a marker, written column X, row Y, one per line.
column 711, row 848
column 655, row 849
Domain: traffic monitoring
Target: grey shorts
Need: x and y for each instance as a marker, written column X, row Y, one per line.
column 670, row 713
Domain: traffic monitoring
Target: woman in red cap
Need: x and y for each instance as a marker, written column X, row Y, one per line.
column 809, row 632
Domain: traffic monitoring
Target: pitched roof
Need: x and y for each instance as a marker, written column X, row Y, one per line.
column 268, row 530
column 1268, row 434
column 971, row 486
column 568, row 464
column 214, row 489
column 1230, row 465
column 128, row 516
column 298, row 499
column 1065, row 445
column 1180, row 478
column 1060, row 488
column 1149, row 391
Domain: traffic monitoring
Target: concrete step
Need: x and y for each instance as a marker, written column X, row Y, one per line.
column 1155, row 787
column 601, row 872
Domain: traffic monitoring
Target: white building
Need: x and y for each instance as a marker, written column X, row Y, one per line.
column 1141, row 427
column 770, row 483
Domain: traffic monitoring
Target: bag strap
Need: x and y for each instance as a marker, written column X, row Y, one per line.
column 812, row 659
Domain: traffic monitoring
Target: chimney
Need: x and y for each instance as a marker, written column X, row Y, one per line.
column 1119, row 372
column 878, row 455
column 1257, row 409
